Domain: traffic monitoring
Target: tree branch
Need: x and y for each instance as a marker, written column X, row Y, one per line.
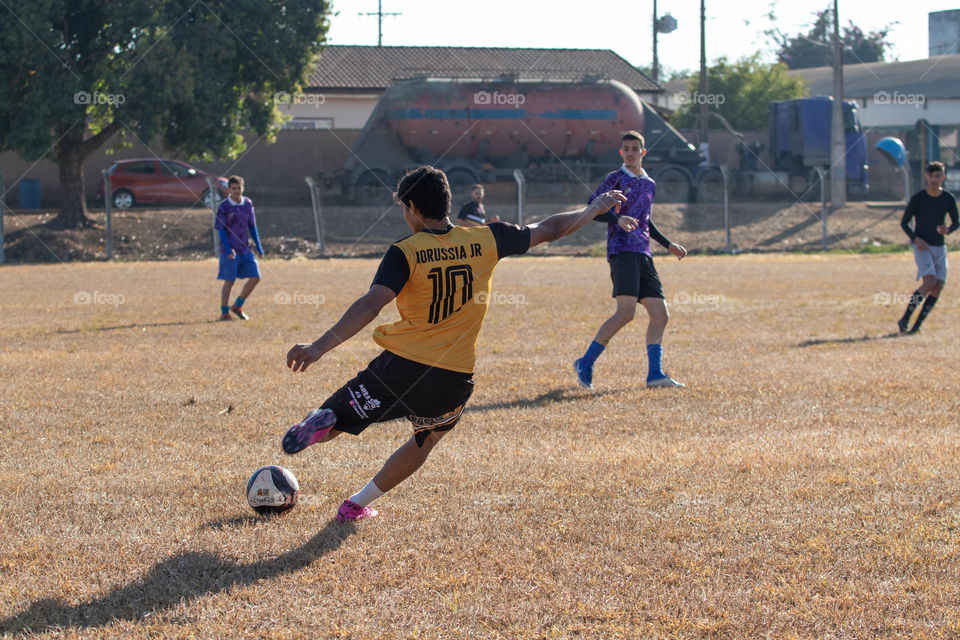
column 91, row 144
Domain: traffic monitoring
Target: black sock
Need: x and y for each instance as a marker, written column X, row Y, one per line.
column 915, row 299
column 924, row 310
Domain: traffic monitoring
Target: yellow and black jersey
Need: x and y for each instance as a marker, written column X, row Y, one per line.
column 442, row 281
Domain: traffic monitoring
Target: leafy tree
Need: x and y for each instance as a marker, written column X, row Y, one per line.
column 740, row 92
column 190, row 74
column 813, row 49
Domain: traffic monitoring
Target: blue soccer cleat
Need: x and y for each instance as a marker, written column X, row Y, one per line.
column 584, row 374
column 665, row 381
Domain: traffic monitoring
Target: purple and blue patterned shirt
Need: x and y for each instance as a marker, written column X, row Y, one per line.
column 236, row 219
column 639, row 191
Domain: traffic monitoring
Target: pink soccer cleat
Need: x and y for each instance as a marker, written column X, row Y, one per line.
column 308, row 431
column 351, row 512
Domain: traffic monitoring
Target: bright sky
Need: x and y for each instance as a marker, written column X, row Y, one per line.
column 576, row 24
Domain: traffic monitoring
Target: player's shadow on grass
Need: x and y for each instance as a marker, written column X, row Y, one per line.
column 814, row 342
column 137, row 325
column 542, row 400
column 178, row 579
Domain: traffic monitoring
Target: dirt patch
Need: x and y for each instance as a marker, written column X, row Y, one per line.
column 288, row 232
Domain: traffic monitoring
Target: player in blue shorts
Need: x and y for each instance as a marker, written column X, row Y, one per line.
column 928, row 209
column 635, row 280
column 237, row 223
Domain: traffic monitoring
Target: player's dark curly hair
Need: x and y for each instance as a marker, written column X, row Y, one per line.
column 428, row 189
column 633, row 135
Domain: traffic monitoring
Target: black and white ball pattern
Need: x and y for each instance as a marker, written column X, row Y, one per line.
column 272, row 489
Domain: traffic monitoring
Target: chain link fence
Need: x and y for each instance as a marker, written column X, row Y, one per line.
column 788, row 220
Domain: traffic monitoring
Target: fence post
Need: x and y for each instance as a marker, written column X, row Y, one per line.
column 213, row 207
column 521, row 181
column 107, row 209
column 823, row 205
column 3, row 206
column 906, row 183
column 726, row 206
column 317, row 214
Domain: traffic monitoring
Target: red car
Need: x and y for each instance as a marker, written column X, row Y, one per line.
column 153, row 181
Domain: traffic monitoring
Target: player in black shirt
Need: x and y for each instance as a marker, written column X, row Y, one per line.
column 928, row 209
column 472, row 213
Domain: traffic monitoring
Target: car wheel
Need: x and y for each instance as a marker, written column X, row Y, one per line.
column 123, row 199
column 211, row 202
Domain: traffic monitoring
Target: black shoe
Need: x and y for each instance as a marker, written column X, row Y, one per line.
column 902, row 323
column 239, row 311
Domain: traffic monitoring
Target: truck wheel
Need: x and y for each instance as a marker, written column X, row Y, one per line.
column 709, row 186
column 461, row 179
column 373, row 187
column 800, row 187
column 672, row 186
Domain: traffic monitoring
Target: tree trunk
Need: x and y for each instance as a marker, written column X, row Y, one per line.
column 72, row 151
column 73, row 207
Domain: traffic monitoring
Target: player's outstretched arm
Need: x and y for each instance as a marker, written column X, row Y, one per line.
column 361, row 313
column 562, row 224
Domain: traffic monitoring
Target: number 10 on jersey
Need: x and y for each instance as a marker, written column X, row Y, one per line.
column 452, row 289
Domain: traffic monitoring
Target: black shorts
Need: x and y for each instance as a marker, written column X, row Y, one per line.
column 432, row 399
column 633, row 274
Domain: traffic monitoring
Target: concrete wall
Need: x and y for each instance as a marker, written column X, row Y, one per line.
column 330, row 111
column 904, row 110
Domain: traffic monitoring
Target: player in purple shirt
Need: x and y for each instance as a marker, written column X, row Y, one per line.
column 631, row 266
column 236, row 224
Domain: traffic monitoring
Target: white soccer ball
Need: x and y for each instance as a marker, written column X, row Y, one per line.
column 272, row 489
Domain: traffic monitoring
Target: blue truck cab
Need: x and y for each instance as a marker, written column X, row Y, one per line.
column 800, row 140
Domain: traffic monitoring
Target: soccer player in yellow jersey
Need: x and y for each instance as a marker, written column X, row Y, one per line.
column 425, row 373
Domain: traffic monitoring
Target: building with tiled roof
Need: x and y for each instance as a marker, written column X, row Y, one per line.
column 349, row 79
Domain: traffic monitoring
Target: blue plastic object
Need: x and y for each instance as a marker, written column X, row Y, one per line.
column 893, row 150
column 29, row 194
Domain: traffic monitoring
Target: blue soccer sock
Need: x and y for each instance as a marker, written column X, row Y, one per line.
column 239, row 302
column 593, row 352
column 224, row 309
column 655, row 356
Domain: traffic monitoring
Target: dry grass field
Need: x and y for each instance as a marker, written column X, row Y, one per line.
column 804, row 485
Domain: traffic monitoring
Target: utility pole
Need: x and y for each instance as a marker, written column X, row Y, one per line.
column 702, row 98
column 838, row 168
column 665, row 24
column 656, row 62
column 379, row 15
